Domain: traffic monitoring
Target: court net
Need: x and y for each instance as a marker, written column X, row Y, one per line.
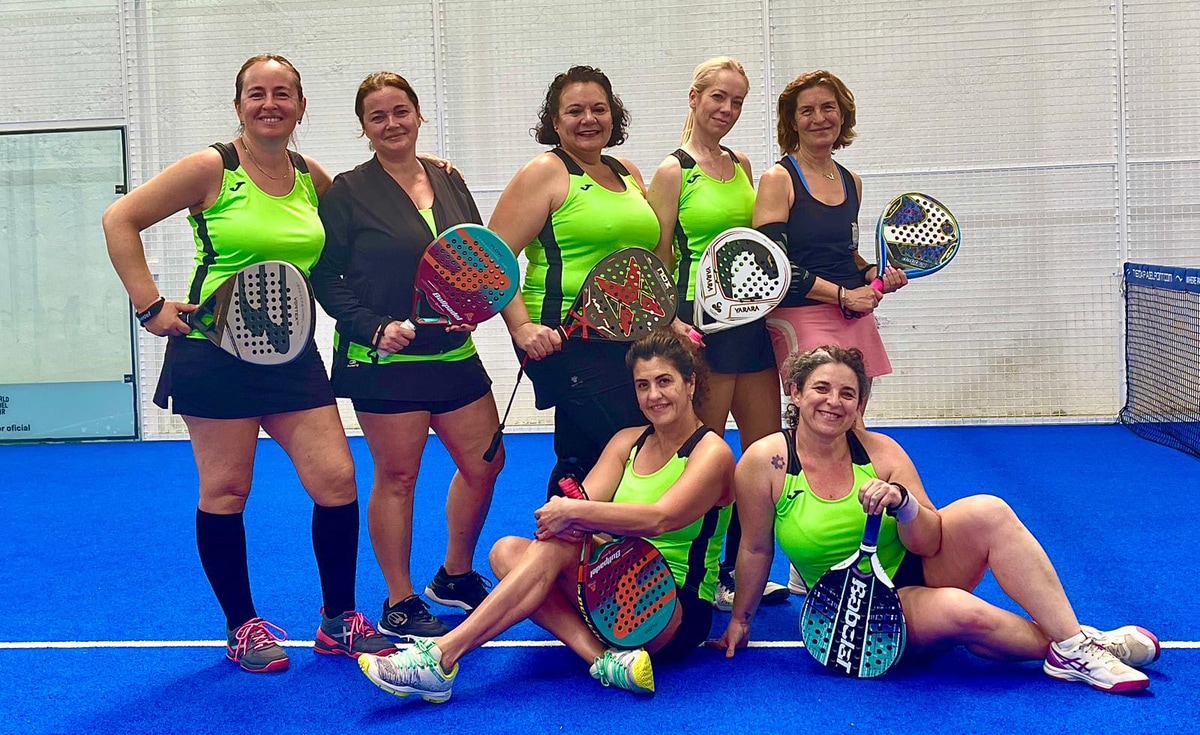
column 1162, row 355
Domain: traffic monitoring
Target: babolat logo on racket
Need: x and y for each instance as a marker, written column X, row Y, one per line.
column 851, row 620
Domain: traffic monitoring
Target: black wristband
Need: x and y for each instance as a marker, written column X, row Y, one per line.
column 903, row 499
column 863, row 272
column 151, row 311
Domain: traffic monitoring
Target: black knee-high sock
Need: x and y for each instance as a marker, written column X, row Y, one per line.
column 335, row 543
column 733, row 537
column 221, row 541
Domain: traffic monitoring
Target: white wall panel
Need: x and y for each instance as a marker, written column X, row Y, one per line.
column 1064, row 135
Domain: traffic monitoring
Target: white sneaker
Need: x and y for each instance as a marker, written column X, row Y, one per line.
column 625, row 669
column 796, row 583
column 414, row 670
column 723, row 598
column 1132, row 645
column 773, row 594
column 1091, row 663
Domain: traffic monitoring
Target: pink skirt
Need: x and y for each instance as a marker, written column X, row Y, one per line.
column 808, row 327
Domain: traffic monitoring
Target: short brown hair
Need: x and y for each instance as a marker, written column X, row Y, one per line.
column 379, row 80
column 789, row 139
column 684, row 356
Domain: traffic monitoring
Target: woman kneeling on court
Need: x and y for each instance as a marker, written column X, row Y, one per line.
column 813, row 485
column 670, row 482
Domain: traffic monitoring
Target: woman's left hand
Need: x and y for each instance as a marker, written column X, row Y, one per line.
column 894, row 279
column 554, row 519
column 439, row 162
column 877, row 496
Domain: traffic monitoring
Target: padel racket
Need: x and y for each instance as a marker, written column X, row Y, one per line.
column 741, row 276
column 263, row 314
column 466, row 276
column 627, row 594
column 852, row 621
column 917, row 234
column 623, row 298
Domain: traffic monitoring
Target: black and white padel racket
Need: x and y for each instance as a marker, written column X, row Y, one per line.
column 741, row 276
column 263, row 314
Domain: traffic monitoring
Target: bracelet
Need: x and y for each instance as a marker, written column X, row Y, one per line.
column 150, row 311
column 907, row 509
column 842, row 296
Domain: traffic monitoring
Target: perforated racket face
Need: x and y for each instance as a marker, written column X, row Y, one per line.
column 263, row 314
column 918, row 234
column 852, row 623
column 741, row 276
column 627, row 593
column 625, row 296
column 467, row 275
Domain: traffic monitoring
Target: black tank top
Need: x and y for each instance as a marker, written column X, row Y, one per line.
column 823, row 239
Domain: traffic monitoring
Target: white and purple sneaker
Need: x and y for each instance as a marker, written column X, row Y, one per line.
column 1092, row 663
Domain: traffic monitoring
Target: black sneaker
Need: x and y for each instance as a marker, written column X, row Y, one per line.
column 464, row 591
column 410, row 618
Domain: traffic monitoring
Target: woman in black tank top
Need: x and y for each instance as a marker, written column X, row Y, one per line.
column 810, row 204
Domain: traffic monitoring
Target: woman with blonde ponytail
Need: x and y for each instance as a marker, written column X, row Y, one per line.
column 699, row 191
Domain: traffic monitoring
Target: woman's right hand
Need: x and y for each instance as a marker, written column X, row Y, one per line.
column 862, row 300
column 167, row 322
column 736, row 638
column 395, row 337
column 537, row 341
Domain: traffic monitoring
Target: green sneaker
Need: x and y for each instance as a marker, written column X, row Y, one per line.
column 626, row 669
column 255, row 646
column 414, row 670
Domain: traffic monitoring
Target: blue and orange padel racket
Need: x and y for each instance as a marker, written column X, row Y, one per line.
column 627, row 594
column 466, row 275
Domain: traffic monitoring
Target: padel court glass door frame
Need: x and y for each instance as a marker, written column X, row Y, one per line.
column 66, row 332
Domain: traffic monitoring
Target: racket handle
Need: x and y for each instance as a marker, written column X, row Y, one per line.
column 871, row 531
column 695, row 336
column 877, row 284
column 571, row 488
column 407, row 325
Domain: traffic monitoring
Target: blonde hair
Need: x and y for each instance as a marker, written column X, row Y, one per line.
column 702, row 78
column 789, row 139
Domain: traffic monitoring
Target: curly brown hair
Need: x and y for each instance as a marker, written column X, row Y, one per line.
column 800, row 365
column 545, row 133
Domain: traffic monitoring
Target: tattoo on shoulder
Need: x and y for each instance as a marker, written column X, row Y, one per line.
column 777, row 461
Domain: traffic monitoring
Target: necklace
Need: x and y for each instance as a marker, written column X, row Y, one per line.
column 263, row 171
column 831, row 175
